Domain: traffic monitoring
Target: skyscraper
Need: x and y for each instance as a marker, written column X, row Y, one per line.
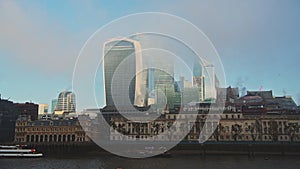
column 66, row 102
column 53, row 105
column 123, row 79
column 198, row 79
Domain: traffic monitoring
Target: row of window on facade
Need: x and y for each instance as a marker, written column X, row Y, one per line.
column 47, row 129
column 227, row 116
column 43, row 124
column 279, row 130
column 51, row 138
column 196, row 137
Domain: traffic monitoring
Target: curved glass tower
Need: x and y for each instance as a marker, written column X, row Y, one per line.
column 123, row 77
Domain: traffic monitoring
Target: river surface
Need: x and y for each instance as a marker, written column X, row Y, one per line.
column 174, row 162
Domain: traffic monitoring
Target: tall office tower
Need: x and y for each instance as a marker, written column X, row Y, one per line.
column 151, row 87
column 66, row 102
column 53, row 105
column 211, row 82
column 198, row 80
column 123, row 80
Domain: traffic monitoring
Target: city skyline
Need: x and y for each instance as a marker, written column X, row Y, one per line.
column 258, row 49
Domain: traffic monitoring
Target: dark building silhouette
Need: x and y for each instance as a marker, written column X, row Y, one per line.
column 8, row 117
column 27, row 109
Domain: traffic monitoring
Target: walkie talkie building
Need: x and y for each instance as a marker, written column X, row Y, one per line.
column 123, row 77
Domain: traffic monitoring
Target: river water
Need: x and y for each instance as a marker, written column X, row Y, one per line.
column 174, row 162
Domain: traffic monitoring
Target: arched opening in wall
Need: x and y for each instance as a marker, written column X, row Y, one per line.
column 32, row 138
column 27, row 138
column 46, row 138
column 73, row 137
column 64, row 138
column 41, row 138
column 36, row 138
column 59, row 138
column 55, row 138
column 68, row 138
column 50, row 138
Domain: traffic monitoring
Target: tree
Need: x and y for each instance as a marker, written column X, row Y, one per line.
column 236, row 130
column 255, row 130
column 291, row 130
column 218, row 131
column 273, row 130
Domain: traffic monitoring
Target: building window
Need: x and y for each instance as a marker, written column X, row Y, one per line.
column 64, row 138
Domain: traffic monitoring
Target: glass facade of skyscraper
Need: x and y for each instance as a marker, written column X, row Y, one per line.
column 121, row 64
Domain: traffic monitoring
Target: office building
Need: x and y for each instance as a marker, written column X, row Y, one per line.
column 53, row 105
column 66, row 102
column 8, row 117
column 122, row 64
column 43, row 109
column 27, row 109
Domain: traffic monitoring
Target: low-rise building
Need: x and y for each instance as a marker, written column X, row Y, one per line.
column 214, row 127
column 43, row 131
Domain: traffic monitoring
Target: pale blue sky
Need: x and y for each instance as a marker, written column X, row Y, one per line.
column 258, row 41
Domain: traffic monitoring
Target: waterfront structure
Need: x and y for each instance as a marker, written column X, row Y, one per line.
column 122, row 64
column 66, row 102
column 232, row 127
column 251, row 123
column 27, row 109
column 49, row 131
